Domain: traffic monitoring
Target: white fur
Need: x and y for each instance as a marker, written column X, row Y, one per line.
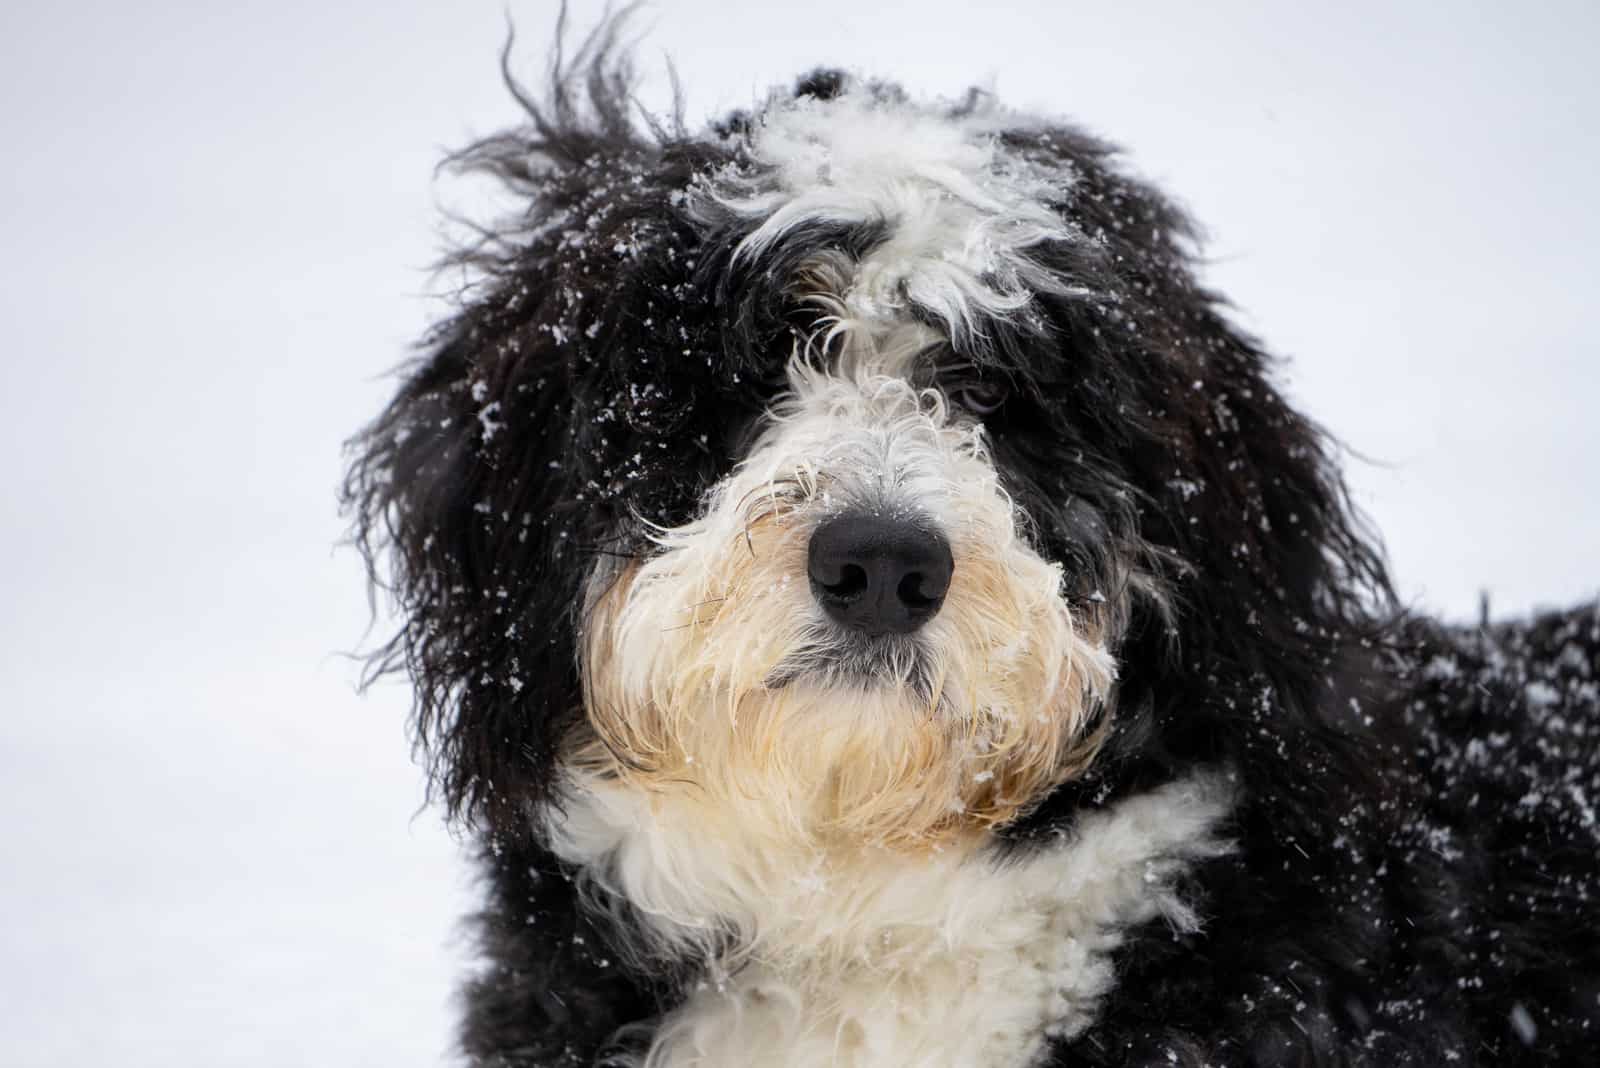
column 962, row 214
column 871, row 958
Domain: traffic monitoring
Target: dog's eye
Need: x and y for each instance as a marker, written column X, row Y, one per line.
column 980, row 398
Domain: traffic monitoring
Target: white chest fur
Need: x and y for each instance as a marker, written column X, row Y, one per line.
column 942, row 960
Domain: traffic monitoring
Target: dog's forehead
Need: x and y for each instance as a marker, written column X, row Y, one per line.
column 917, row 212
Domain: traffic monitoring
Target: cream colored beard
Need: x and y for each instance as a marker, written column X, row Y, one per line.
column 864, row 763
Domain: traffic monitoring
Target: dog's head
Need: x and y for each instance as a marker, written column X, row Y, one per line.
column 872, row 460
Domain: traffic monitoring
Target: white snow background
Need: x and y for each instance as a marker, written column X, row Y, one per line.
column 217, row 219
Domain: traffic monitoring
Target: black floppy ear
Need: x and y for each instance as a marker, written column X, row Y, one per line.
column 1180, row 450
column 563, row 410
column 578, row 396
column 460, row 513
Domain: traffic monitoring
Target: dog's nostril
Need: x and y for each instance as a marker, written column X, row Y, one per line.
column 850, row 584
column 911, row 590
column 879, row 575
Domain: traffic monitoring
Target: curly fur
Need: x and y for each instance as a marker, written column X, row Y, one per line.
column 1240, row 809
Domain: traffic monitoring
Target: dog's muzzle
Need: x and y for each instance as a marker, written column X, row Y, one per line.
column 879, row 575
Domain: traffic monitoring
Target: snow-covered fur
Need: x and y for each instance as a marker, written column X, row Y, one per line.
column 1149, row 771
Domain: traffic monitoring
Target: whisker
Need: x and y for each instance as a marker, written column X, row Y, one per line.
column 696, row 621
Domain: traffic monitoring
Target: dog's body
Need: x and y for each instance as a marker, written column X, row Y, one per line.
column 876, row 611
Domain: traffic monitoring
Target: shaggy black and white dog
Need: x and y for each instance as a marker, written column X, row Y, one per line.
column 874, row 609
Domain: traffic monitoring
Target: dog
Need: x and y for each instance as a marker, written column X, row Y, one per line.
column 873, row 608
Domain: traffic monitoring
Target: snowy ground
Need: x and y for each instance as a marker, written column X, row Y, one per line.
column 217, row 218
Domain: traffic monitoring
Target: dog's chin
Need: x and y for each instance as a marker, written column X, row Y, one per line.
column 884, row 741
column 851, row 663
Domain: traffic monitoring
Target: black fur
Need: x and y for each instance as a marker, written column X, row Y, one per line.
column 1417, row 879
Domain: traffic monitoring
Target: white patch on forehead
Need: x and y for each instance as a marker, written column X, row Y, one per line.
column 961, row 213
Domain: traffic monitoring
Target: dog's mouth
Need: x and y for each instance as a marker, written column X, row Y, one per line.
column 853, row 660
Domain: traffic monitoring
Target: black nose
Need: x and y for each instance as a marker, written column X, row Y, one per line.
column 881, row 576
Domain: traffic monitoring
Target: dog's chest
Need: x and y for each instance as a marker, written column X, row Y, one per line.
column 948, row 960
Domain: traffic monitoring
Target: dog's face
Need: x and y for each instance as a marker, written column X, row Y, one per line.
column 857, row 620
column 831, row 462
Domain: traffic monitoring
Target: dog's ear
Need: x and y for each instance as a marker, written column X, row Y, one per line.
column 1183, row 442
column 460, row 524
column 542, row 432
column 570, row 402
